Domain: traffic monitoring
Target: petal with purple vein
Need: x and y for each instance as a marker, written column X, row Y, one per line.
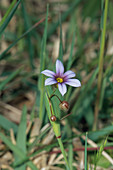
column 62, row 88
column 73, row 82
column 69, row 74
column 59, row 68
column 48, row 73
column 50, row 81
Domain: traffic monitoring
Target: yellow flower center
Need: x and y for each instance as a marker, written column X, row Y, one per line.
column 59, row 80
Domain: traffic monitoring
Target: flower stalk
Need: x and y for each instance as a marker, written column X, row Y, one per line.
column 55, row 125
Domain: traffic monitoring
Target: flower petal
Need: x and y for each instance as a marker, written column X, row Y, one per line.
column 48, row 73
column 69, row 74
column 50, row 81
column 73, row 82
column 62, row 88
column 59, row 68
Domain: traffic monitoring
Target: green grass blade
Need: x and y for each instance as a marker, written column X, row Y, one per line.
column 7, row 20
column 13, row 147
column 71, row 52
column 16, row 150
column 86, row 152
column 99, row 153
column 70, row 156
column 42, row 67
column 7, row 12
column 7, row 125
column 68, row 132
column 11, row 77
column 87, row 87
column 102, row 92
column 28, row 37
column 21, row 136
column 100, row 133
column 61, row 45
column 31, row 165
column 63, row 152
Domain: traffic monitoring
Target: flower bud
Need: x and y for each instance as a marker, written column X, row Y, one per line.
column 64, row 105
column 53, row 118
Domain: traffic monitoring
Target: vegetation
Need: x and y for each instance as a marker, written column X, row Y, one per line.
column 36, row 131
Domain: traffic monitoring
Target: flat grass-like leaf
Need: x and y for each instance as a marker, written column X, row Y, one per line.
column 17, row 150
column 100, row 133
column 7, row 12
column 7, row 125
column 61, row 45
column 13, row 147
column 89, row 7
column 71, row 52
column 42, row 66
column 99, row 154
column 86, row 152
column 8, row 79
column 86, row 87
column 9, row 17
column 70, row 156
column 102, row 92
column 28, row 37
column 70, row 61
column 21, row 136
column 31, row 165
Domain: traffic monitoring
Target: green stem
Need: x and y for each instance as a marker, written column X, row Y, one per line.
column 101, row 59
column 63, row 152
column 86, row 152
column 55, row 125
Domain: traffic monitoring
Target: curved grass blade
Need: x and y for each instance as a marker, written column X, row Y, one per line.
column 42, row 66
column 7, row 125
column 99, row 153
column 70, row 156
column 87, row 87
column 61, row 44
column 86, row 152
column 11, row 77
column 16, row 150
column 7, row 12
column 29, row 42
column 21, row 136
column 71, row 52
column 7, row 20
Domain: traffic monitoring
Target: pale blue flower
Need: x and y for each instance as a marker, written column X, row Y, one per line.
column 60, row 78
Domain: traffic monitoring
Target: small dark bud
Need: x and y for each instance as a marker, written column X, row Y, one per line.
column 64, row 105
column 53, row 118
